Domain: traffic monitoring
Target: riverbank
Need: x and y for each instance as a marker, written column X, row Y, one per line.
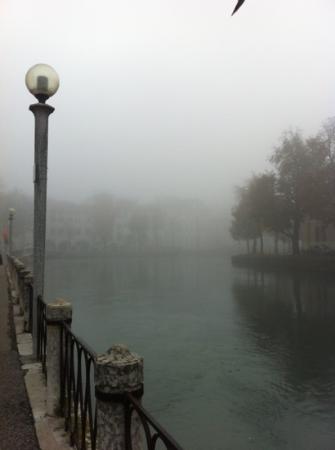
column 299, row 263
column 24, row 422
column 17, row 429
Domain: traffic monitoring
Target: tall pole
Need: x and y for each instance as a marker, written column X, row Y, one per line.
column 41, row 112
column 10, row 231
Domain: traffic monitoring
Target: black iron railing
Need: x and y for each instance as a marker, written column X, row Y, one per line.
column 41, row 331
column 30, row 303
column 154, row 433
column 78, row 401
column 78, row 404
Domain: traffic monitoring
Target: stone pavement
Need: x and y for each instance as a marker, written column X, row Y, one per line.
column 17, row 430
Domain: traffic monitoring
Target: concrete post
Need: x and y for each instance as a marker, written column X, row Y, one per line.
column 27, row 313
column 10, row 231
column 12, row 269
column 10, row 272
column 18, row 267
column 56, row 313
column 14, row 273
column 117, row 371
column 41, row 112
column 23, row 272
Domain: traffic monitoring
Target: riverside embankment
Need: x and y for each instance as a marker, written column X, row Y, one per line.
column 94, row 396
column 17, row 429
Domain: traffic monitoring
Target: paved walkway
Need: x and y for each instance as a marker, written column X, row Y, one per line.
column 17, row 431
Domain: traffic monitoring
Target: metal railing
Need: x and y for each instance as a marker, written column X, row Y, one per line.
column 41, row 331
column 30, row 313
column 154, row 433
column 78, row 404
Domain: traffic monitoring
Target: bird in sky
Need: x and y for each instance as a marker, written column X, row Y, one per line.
column 238, row 6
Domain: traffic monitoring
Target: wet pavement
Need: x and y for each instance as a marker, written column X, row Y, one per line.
column 17, row 430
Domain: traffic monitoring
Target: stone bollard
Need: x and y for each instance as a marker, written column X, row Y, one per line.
column 13, row 276
column 22, row 275
column 27, row 306
column 10, row 275
column 10, row 265
column 117, row 371
column 57, row 312
column 18, row 267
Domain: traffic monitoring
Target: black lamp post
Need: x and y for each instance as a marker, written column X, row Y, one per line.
column 11, row 213
column 42, row 81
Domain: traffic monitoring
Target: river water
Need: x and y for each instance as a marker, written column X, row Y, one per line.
column 234, row 359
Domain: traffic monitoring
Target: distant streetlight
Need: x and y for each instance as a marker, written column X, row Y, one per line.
column 43, row 82
column 11, row 213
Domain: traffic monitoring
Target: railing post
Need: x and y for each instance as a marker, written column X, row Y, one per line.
column 19, row 266
column 56, row 312
column 10, row 271
column 27, row 304
column 117, row 371
column 9, row 262
column 16, row 265
column 23, row 272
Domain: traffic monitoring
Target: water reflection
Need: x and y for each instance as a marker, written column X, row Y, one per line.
column 234, row 359
column 291, row 319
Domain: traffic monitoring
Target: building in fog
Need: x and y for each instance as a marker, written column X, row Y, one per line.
column 110, row 225
column 318, row 236
column 70, row 228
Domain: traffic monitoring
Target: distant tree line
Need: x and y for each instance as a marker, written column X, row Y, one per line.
column 301, row 186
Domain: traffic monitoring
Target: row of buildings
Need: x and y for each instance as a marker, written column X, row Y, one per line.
column 110, row 225
column 105, row 224
column 317, row 236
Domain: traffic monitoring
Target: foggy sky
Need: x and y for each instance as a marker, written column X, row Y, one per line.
column 162, row 97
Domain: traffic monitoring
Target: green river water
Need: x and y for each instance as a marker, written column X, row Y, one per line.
column 234, row 359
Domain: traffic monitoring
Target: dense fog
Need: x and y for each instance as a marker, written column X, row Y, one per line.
column 163, row 100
